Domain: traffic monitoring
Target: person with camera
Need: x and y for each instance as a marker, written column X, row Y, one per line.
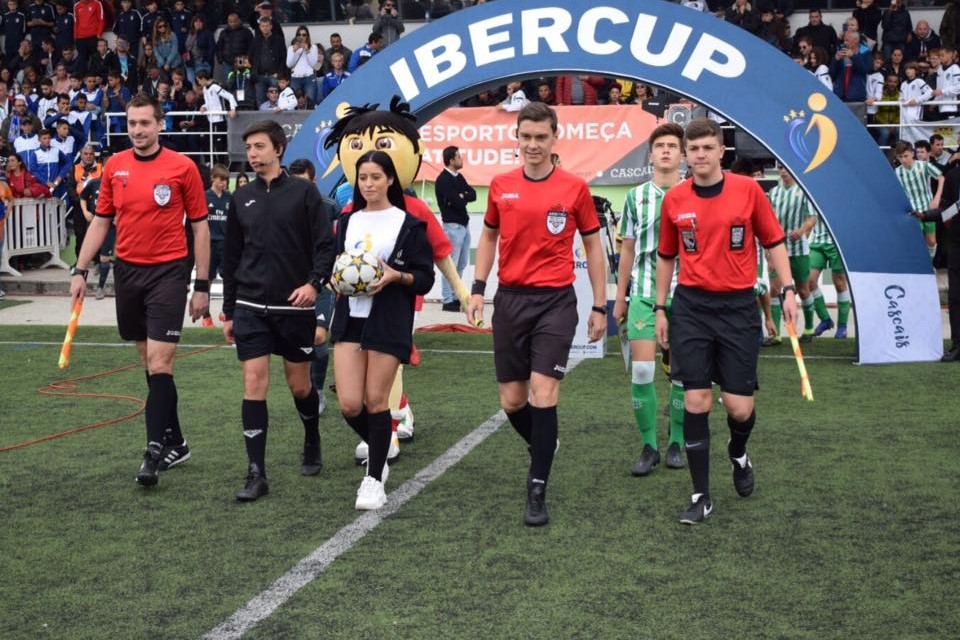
column 388, row 22
column 850, row 67
column 301, row 60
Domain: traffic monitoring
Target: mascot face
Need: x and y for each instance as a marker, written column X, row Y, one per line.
column 360, row 129
column 404, row 153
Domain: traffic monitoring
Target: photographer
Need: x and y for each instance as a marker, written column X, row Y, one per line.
column 850, row 67
column 388, row 22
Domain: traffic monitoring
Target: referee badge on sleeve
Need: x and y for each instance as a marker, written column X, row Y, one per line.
column 556, row 221
column 737, row 233
column 161, row 194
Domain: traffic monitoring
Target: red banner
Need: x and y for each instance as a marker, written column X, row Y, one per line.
column 602, row 144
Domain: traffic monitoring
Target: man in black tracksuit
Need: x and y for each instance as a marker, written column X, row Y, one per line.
column 951, row 197
column 278, row 255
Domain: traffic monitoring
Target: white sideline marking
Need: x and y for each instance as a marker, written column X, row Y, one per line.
column 311, row 567
column 476, row 352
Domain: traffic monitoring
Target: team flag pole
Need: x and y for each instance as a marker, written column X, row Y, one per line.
column 71, row 331
column 805, row 389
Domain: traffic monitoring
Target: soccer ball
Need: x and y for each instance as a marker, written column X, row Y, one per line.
column 355, row 271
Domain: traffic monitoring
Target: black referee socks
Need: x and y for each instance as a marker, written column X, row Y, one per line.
column 379, row 430
column 161, row 405
column 543, row 441
column 696, row 434
column 739, row 434
column 254, row 416
column 522, row 421
column 359, row 424
column 171, row 425
column 309, row 409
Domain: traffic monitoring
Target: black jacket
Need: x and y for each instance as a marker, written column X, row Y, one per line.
column 389, row 328
column 232, row 43
column 278, row 239
column 453, row 193
column 268, row 56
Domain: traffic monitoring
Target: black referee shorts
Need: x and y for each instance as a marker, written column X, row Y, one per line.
column 532, row 331
column 714, row 338
column 151, row 300
column 289, row 336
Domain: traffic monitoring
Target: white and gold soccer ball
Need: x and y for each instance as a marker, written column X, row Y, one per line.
column 355, row 271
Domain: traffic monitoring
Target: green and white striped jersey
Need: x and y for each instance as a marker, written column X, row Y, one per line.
column 792, row 209
column 641, row 222
column 820, row 234
column 916, row 183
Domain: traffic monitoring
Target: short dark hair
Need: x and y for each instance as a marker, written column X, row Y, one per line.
column 921, row 144
column 273, row 130
column 375, row 36
column 449, row 153
column 538, row 112
column 303, row 167
column 45, row 132
column 667, row 129
column 143, row 100
column 902, row 147
column 702, row 128
column 936, row 138
column 203, row 74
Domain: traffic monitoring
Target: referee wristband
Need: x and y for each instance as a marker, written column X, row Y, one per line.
column 201, row 286
column 659, row 307
column 789, row 287
column 601, row 310
column 479, row 288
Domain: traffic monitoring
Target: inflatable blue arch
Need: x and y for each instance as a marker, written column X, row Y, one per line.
column 715, row 64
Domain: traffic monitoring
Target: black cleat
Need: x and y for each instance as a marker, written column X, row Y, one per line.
column 310, row 461
column 149, row 473
column 698, row 511
column 536, row 514
column 451, row 306
column 742, row 475
column 805, row 338
column 172, row 455
column 648, row 460
column 953, row 355
column 255, row 487
column 675, row 457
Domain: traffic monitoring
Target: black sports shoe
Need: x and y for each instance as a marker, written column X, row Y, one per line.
column 742, row 476
column 149, row 473
column 451, row 306
column 172, row 455
column 648, row 460
column 675, row 457
column 698, row 511
column 255, row 487
column 536, row 514
column 310, row 461
column 953, row 355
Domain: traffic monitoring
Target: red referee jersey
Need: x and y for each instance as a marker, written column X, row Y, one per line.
column 536, row 220
column 148, row 199
column 714, row 236
column 418, row 209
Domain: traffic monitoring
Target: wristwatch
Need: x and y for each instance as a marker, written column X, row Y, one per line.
column 599, row 309
column 77, row 271
column 659, row 307
column 789, row 287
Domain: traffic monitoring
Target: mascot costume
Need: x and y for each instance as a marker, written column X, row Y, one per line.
column 365, row 128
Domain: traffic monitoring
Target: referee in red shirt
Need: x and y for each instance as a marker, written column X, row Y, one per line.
column 711, row 221
column 532, row 214
column 146, row 191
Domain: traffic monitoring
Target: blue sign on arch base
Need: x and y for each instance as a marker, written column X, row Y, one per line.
column 716, row 64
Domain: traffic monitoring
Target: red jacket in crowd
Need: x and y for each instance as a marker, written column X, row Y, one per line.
column 563, row 90
column 24, row 182
column 89, row 21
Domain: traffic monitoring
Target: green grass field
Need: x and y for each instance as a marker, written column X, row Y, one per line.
column 852, row 532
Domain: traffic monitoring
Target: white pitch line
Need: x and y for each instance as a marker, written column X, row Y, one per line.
column 311, row 567
column 475, row 352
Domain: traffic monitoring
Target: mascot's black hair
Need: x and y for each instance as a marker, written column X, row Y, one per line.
column 365, row 119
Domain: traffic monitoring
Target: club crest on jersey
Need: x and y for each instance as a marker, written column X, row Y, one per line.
column 161, row 194
column 689, row 237
column 556, row 221
column 736, row 237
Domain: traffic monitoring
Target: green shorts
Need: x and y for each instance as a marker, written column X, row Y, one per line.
column 825, row 256
column 641, row 320
column 799, row 269
column 929, row 228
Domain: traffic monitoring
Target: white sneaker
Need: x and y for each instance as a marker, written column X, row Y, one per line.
column 362, row 452
column 404, row 418
column 370, row 495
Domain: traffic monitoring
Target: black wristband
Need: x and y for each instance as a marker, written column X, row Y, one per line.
column 789, row 287
column 77, row 271
column 659, row 307
column 201, row 286
column 479, row 288
column 601, row 310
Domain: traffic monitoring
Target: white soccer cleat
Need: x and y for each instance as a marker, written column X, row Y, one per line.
column 371, row 495
column 362, row 452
